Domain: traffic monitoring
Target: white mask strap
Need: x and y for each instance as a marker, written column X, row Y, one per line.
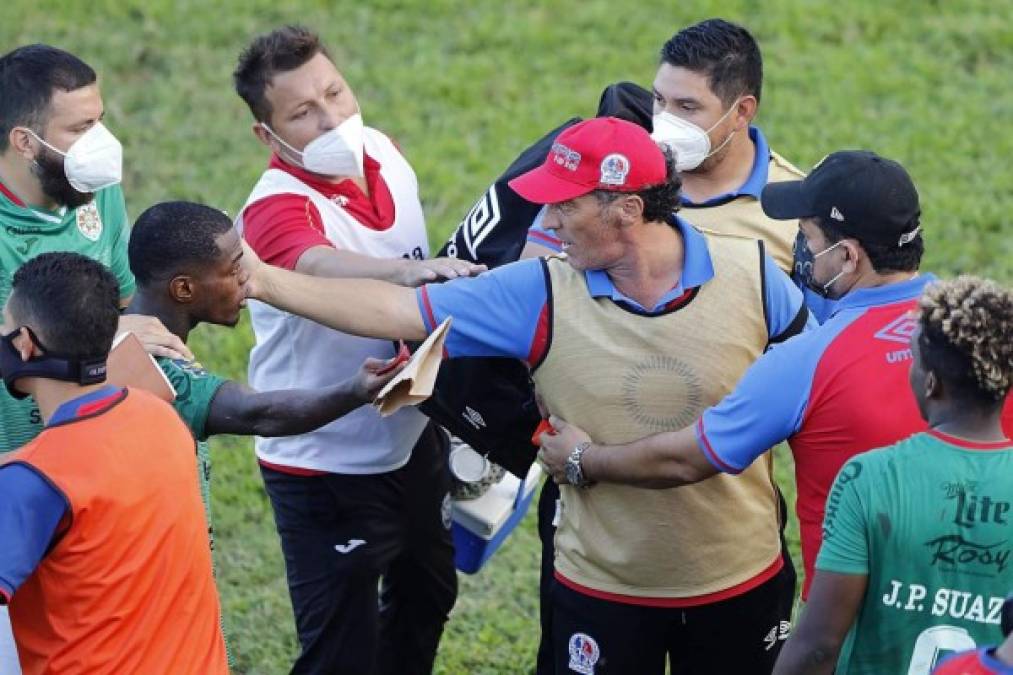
column 279, row 138
column 39, row 139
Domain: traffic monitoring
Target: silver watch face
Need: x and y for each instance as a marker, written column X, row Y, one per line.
column 573, row 474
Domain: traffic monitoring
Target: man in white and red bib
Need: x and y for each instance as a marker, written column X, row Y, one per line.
column 365, row 496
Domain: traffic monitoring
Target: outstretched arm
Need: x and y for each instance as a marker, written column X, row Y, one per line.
column 362, row 307
column 660, row 461
column 238, row 409
column 326, row 261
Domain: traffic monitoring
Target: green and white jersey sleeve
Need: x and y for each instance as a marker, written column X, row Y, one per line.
column 195, row 388
column 930, row 521
column 98, row 229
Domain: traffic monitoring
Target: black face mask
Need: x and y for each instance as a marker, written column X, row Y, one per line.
column 51, row 366
column 802, row 271
column 802, row 267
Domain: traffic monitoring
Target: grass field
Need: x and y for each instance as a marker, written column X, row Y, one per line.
column 463, row 87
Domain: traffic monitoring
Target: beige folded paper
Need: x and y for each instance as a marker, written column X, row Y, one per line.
column 129, row 365
column 415, row 383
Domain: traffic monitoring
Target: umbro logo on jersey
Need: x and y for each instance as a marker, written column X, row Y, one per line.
column 350, row 546
column 836, row 214
column 778, row 633
column 480, row 221
column 899, row 330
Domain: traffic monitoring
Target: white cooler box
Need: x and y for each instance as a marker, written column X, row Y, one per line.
column 482, row 525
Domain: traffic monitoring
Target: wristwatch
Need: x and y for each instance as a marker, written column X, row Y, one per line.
column 573, row 470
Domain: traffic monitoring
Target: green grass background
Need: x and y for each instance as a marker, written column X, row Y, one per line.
column 463, row 87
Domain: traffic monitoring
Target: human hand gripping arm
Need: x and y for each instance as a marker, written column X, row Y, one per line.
column 238, row 409
column 660, row 461
column 361, row 307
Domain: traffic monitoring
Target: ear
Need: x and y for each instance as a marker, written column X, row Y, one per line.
column 25, row 345
column 22, row 142
column 853, row 253
column 630, row 210
column 182, row 289
column 933, row 385
column 262, row 135
column 745, row 111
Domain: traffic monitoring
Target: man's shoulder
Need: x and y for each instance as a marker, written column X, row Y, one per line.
column 782, row 170
column 190, row 369
column 186, row 376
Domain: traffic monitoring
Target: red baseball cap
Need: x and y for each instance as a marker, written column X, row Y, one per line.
column 604, row 153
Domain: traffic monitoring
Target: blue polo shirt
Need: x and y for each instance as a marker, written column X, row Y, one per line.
column 31, row 508
column 504, row 312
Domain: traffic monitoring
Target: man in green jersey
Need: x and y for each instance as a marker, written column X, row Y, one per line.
column 917, row 540
column 59, row 191
column 185, row 258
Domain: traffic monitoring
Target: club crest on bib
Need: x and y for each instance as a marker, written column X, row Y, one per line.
column 584, row 653
column 614, row 169
column 89, row 222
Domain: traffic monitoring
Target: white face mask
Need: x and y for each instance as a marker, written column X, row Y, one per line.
column 337, row 152
column 92, row 162
column 690, row 144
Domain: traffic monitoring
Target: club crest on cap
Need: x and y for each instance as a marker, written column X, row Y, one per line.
column 565, row 157
column 614, row 169
column 836, row 214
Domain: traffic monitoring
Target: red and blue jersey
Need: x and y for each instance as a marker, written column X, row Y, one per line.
column 506, row 311
column 982, row 661
column 833, row 392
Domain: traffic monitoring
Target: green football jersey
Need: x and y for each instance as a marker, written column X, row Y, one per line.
column 930, row 521
column 195, row 387
column 99, row 230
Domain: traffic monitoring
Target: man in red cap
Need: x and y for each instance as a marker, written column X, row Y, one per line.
column 643, row 324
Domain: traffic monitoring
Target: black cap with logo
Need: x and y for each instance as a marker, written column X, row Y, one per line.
column 863, row 195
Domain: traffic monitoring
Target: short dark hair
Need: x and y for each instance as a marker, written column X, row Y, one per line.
column 884, row 257
column 70, row 301
column 28, row 77
column 660, row 201
column 279, row 51
column 725, row 52
column 966, row 324
column 174, row 237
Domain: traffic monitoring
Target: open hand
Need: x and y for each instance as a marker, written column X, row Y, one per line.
column 418, row 272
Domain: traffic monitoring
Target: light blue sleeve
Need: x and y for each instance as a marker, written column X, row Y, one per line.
column 496, row 313
column 782, row 302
